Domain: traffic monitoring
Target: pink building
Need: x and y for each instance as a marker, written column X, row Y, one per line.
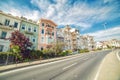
column 47, row 33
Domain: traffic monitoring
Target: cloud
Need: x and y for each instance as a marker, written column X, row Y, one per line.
column 112, row 33
column 78, row 13
column 16, row 10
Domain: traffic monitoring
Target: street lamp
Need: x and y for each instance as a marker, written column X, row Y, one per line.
column 105, row 28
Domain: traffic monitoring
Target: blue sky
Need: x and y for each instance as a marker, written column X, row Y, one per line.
column 86, row 15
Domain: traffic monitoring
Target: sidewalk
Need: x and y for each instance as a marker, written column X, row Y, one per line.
column 20, row 65
column 110, row 68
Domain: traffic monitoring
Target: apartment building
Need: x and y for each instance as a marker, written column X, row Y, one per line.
column 8, row 24
column 67, row 37
column 30, row 29
column 83, row 42
column 114, row 43
column 71, row 38
column 47, row 33
column 60, row 36
column 91, row 43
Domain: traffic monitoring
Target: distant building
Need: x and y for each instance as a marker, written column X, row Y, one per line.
column 30, row 30
column 47, row 33
column 71, row 38
column 60, row 35
column 8, row 24
column 83, row 42
column 114, row 43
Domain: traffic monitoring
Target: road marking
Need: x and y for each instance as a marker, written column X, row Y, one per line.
column 98, row 72
column 118, row 56
column 69, row 66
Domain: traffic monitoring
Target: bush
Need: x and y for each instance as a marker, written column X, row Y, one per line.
column 99, row 48
column 65, row 53
column 11, row 57
column 83, row 50
column 36, row 54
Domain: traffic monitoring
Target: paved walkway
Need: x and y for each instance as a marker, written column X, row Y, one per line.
column 110, row 68
column 15, row 66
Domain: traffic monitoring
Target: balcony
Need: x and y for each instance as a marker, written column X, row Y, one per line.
column 10, row 27
column 30, row 33
column 48, row 27
column 48, row 33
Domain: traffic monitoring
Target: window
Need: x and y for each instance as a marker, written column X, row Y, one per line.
column 33, row 39
column 53, row 33
column 42, row 24
column 42, row 39
column 35, row 29
column 29, row 29
column 41, row 48
column 15, row 25
column 23, row 26
column 1, row 48
column 7, row 22
column 3, row 35
column 42, row 31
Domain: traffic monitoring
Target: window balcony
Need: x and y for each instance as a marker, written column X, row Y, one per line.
column 10, row 27
column 30, row 33
column 48, row 27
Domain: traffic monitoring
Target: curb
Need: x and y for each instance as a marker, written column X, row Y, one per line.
column 27, row 64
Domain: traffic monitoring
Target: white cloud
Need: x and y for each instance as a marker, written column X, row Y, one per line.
column 80, row 14
column 112, row 33
column 21, row 11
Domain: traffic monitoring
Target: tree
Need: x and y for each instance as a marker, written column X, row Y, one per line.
column 22, row 42
column 58, row 47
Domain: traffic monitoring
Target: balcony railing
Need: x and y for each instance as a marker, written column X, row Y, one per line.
column 9, row 27
column 30, row 33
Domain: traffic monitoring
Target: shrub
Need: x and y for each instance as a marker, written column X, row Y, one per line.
column 84, row 50
column 36, row 54
column 11, row 57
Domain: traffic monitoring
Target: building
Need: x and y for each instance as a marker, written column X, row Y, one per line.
column 60, row 36
column 114, row 43
column 71, row 38
column 91, row 43
column 47, row 33
column 30, row 29
column 83, row 42
column 8, row 24
column 67, row 37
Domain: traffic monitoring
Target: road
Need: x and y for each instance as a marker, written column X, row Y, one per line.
column 82, row 67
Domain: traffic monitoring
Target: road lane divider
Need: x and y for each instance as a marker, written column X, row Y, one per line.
column 69, row 66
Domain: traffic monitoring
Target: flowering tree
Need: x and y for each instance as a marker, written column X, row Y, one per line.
column 20, row 40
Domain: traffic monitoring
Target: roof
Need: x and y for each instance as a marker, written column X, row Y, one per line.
column 48, row 21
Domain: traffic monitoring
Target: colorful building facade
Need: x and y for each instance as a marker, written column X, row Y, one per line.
column 47, row 33
column 30, row 30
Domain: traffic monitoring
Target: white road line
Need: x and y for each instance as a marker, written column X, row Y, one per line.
column 69, row 66
column 98, row 72
column 118, row 56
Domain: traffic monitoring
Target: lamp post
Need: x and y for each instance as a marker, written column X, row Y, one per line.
column 106, row 29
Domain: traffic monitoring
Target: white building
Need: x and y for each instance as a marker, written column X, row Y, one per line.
column 8, row 24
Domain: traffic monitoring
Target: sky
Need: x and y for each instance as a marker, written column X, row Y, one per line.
column 98, row 18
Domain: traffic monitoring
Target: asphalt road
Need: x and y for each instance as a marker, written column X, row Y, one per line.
column 82, row 67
